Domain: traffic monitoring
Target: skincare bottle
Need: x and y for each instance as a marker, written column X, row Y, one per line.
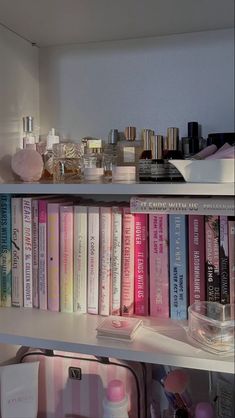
column 48, row 155
column 115, row 403
column 146, row 156
column 191, row 144
column 29, row 136
column 110, row 154
column 93, row 156
column 158, row 166
column 172, row 152
column 129, row 149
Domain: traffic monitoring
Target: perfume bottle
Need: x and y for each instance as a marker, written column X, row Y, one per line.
column 172, row 152
column 158, row 167
column 129, row 149
column 110, row 154
column 67, row 162
column 29, row 136
column 48, row 154
column 146, row 156
column 192, row 144
column 93, row 156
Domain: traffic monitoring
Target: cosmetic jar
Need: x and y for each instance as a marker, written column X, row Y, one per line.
column 67, row 162
column 94, row 174
column 211, row 325
column 124, row 174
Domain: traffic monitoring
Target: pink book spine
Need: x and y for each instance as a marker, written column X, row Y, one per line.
column 212, row 268
column 197, row 281
column 141, row 278
column 105, row 260
column 27, row 252
column 53, row 254
column 116, row 260
column 17, row 252
column 231, row 243
column 93, row 260
column 127, row 298
column 42, row 239
column 35, row 251
column 159, row 265
column 66, row 258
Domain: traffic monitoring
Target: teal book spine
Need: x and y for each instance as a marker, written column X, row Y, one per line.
column 5, row 249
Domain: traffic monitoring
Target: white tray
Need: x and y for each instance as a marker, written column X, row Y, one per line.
column 206, row 171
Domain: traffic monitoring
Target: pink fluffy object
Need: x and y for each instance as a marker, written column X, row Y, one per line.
column 27, row 164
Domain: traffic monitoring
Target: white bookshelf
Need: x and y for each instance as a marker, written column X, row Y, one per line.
column 193, row 189
column 159, row 341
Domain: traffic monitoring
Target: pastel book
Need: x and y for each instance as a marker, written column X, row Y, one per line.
column 66, row 258
column 5, row 250
column 93, row 259
column 127, row 296
column 141, row 276
column 197, row 284
column 116, row 260
column 105, row 260
column 17, row 252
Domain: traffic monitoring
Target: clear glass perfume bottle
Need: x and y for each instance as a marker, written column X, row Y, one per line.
column 67, row 162
column 172, row 152
column 110, row 154
column 93, row 156
column 48, row 154
column 29, row 136
column 129, row 149
column 146, row 156
column 158, row 167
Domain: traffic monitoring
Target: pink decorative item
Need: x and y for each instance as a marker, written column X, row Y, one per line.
column 115, row 391
column 27, row 164
column 204, row 410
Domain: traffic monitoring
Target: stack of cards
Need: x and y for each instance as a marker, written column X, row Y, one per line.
column 119, row 328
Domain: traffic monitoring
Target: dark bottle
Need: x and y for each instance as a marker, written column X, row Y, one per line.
column 193, row 142
column 158, row 167
column 172, row 152
column 146, row 156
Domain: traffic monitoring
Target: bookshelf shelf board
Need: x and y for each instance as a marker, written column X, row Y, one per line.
column 159, row 341
column 193, row 189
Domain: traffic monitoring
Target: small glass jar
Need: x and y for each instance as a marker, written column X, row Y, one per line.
column 67, row 162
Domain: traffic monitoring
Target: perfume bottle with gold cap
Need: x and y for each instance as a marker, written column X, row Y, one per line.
column 146, row 156
column 172, row 152
column 158, row 165
column 129, row 149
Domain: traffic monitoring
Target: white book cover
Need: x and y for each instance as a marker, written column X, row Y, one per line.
column 42, row 253
column 93, row 260
column 35, row 252
column 80, row 260
column 27, row 252
column 105, row 260
column 17, row 252
column 116, row 261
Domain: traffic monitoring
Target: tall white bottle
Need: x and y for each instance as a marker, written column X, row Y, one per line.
column 115, row 404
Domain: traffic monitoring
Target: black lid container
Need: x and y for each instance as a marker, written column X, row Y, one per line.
column 221, row 138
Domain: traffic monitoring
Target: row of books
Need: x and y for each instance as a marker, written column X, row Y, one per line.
column 81, row 256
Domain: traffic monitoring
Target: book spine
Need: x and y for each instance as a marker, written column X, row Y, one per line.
column 35, row 254
column 212, row 258
column 231, row 243
column 53, row 256
column 159, row 265
column 105, row 260
column 141, row 282
column 66, row 258
column 17, row 252
column 5, row 249
column 27, row 252
column 42, row 240
column 127, row 295
column 178, row 266
column 116, row 261
column 224, row 262
column 93, row 260
column 80, row 260
column 183, row 205
column 197, row 284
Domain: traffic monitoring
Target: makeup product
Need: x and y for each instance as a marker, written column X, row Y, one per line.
column 146, row 156
column 124, row 174
column 129, row 149
column 116, row 402
column 159, row 170
column 29, row 137
column 172, row 152
column 191, row 143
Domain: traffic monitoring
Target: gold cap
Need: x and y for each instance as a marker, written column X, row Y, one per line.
column 146, row 135
column 157, row 147
column 130, row 133
column 172, row 139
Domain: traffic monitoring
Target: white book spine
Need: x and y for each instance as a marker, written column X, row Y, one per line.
column 105, row 260
column 80, row 260
column 93, row 260
column 116, row 260
column 27, row 252
column 35, row 252
column 17, row 252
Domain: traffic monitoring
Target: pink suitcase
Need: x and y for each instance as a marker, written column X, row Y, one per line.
column 73, row 385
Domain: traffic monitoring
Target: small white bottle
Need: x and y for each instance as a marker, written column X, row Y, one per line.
column 115, row 403
column 48, row 155
column 29, row 137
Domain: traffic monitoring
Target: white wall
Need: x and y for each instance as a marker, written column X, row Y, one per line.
column 151, row 83
column 19, row 93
